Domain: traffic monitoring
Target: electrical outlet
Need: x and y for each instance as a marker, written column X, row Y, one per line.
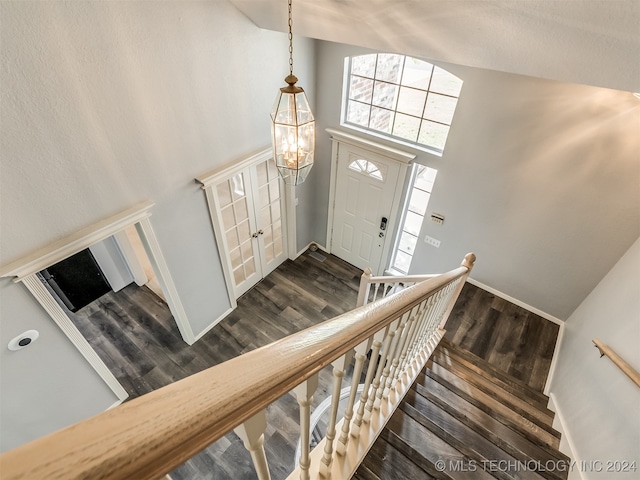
column 432, row 241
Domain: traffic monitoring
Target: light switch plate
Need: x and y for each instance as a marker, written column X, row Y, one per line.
column 432, row 241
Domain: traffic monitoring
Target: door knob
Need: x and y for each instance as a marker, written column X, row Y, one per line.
column 260, row 232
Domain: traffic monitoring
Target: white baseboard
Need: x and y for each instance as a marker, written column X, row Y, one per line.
column 567, row 446
column 116, row 403
column 554, row 360
column 545, row 315
column 215, row 322
column 320, row 247
column 515, row 301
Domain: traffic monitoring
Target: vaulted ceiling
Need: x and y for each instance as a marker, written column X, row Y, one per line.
column 592, row 42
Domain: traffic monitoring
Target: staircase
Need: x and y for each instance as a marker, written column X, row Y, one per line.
column 465, row 419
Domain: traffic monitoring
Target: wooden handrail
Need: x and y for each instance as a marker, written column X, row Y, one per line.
column 627, row 369
column 151, row 435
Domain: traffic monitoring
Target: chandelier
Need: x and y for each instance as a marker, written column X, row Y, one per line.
column 293, row 128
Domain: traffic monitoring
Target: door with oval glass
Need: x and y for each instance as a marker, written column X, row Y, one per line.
column 366, row 190
column 248, row 219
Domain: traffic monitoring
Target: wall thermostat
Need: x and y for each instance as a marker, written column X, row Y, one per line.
column 437, row 218
column 23, row 340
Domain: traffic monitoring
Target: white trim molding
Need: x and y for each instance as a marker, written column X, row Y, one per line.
column 375, row 147
column 152, row 247
column 342, row 140
column 215, row 322
column 24, row 271
column 559, row 424
column 554, row 361
column 74, row 243
column 540, row 313
column 35, row 286
column 208, row 182
column 515, row 301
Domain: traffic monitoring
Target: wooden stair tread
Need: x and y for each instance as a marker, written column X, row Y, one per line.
column 385, row 462
column 471, row 444
column 447, row 369
column 426, row 449
column 518, row 447
column 472, row 418
column 492, row 405
column 482, row 366
column 517, row 439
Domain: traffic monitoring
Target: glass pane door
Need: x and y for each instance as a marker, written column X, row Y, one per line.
column 238, row 225
column 269, row 212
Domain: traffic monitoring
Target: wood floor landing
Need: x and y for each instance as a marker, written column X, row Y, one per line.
column 510, row 338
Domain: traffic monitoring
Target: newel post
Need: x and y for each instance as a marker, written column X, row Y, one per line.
column 365, row 282
column 468, row 262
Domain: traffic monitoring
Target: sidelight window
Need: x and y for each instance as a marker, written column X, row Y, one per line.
column 422, row 180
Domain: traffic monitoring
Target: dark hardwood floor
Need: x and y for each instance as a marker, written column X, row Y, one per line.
column 136, row 336
column 509, row 337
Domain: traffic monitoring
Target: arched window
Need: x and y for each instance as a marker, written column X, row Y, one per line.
column 400, row 97
column 367, row 168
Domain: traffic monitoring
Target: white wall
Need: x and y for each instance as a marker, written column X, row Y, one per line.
column 539, row 178
column 106, row 104
column 592, row 42
column 109, row 257
column 46, row 385
column 597, row 402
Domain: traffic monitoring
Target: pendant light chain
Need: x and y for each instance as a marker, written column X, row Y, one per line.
column 290, row 40
column 293, row 128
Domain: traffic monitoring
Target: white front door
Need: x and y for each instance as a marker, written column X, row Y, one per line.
column 365, row 204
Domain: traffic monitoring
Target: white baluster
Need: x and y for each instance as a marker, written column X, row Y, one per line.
column 304, row 394
column 375, row 292
column 339, row 367
column 428, row 324
column 450, row 291
column 391, row 356
column 376, row 381
column 422, row 325
column 371, row 369
column 413, row 338
column 399, row 366
column 251, row 433
column 343, row 440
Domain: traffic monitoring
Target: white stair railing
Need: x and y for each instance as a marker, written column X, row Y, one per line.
column 390, row 339
column 374, row 288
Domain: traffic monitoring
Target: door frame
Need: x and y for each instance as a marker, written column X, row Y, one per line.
column 339, row 138
column 210, row 179
column 25, row 269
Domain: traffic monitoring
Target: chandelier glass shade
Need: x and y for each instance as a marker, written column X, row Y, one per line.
column 293, row 128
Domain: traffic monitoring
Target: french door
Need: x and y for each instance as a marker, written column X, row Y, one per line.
column 247, row 210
